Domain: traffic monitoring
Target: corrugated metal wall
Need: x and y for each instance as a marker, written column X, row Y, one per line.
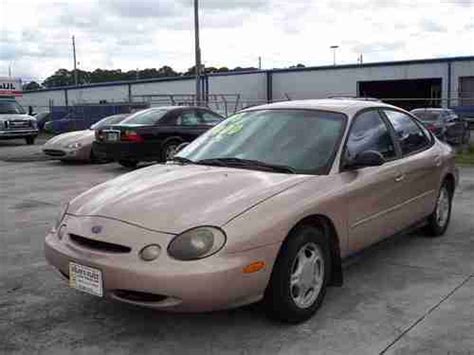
column 258, row 87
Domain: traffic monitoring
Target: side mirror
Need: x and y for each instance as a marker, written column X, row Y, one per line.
column 181, row 146
column 364, row 159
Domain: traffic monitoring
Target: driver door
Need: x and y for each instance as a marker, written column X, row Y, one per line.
column 373, row 193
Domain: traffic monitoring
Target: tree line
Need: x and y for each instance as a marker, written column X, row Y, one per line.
column 64, row 77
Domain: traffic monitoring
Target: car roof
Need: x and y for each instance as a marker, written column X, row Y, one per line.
column 433, row 109
column 346, row 106
column 176, row 107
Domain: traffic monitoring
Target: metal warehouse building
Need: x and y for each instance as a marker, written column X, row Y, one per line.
column 446, row 82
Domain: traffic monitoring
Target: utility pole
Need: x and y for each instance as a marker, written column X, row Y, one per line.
column 260, row 63
column 334, row 54
column 198, row 52
column 74, row 55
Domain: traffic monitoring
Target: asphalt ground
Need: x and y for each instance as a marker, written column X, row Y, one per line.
column 409, row 294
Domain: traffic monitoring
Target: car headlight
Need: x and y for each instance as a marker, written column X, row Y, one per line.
column 60, row 217
column 74, row 145
column 197, row 243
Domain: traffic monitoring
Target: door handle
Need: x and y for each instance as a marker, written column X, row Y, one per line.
column 437, row 160
column 399, row 178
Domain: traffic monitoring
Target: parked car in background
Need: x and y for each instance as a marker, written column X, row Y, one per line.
column 42, row 118
column 262, row 207
column 15, row 123
column 78, row 145
column 153, row 134
column 470, row 121
column 445, row 124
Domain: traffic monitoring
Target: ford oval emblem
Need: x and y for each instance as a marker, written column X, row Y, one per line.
column 96, row 229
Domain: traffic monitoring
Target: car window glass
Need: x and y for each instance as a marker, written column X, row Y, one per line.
column 188, row 118
column 410, row 135
column 146, row 117
column 304, row 140
column 10, row 107
column 427, row 115
column 108, row 121
column 209, row 117
column 369, row 132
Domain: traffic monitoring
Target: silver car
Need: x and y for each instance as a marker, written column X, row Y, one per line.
column 78, row 145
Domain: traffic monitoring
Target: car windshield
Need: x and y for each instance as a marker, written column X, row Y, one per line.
column 108, row 121
column 427, row 115
column 41, row 115
column 146, row 117
column 10, row 107
column 302, row 141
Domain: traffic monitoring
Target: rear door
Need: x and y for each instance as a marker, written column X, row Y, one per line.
column 421, row 168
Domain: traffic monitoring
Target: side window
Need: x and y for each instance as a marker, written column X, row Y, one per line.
column 369, row 132
column 188, row 118
column 169, row 119
column 210, row 118
column 410, row 135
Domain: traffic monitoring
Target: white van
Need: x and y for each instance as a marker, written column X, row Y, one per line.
column 14, row 122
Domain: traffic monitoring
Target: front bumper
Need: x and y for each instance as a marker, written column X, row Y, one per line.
column 82, row 153
column 134, row 151
column 12, row 134
column 217, row 282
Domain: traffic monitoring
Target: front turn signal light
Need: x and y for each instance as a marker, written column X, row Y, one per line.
column 253, row 267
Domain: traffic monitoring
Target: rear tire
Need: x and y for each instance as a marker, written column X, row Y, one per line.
column 131, row 164
column 467, row 137
column 30, row 140
column 299, row 278
column 438, row 221
column 169, row 149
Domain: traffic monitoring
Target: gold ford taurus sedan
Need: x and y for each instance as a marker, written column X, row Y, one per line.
column 262, row 207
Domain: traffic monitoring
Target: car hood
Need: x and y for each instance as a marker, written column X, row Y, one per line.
column 174, row 198
column 84, row 137
column 15, row 116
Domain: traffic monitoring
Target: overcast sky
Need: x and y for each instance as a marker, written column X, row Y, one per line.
column 35, row 35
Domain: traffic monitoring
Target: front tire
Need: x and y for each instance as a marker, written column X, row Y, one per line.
column 30, row 140
column 300, row 275
column 130, row 164
column 438, row 221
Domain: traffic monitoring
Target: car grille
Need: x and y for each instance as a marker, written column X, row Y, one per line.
column 136, row 296
column 99, row 245
column 54, row 152
column 14, row 124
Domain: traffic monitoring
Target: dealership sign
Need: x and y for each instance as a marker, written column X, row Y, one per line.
column 10, row 87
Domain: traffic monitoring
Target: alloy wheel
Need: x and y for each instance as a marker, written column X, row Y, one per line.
column 442, row 207
column 307, row 275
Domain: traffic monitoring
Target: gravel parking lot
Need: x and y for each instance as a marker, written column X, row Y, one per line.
column 410, row 294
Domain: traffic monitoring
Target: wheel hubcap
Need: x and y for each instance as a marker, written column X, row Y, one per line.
column 170, row 151
column 307, row 275
column 442, row 207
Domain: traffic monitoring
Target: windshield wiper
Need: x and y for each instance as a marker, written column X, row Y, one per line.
column 247, row 163
column 182, row 160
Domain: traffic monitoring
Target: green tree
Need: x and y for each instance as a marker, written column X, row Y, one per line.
column 299, row 65
column 31, row 86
